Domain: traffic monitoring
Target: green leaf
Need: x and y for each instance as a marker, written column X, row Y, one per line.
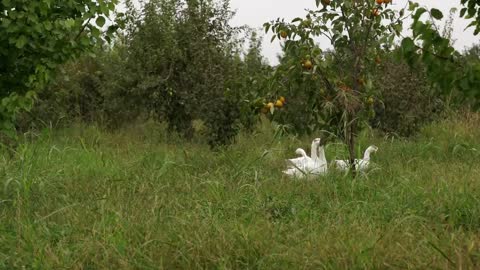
column 412, row 6
column 437, row 14
column 95, row 32
column 408, row 45
column 297, row 20
column 419, row 13
column 267, row 27
column 6, row 22
column 48, row 25
column 21, row 41
column 85, row 41
column 100, row 21
column 70, row 23
column 6, row 3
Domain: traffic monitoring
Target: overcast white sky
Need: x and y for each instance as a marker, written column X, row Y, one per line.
column 256, row 12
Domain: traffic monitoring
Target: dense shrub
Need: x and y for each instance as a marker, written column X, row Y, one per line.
column 89, row 89
column 407, row 101
column 176, row 62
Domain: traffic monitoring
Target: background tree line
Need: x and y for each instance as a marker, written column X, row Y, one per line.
column 176, row 61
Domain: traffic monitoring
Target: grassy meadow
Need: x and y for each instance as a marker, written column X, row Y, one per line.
column 83, row 198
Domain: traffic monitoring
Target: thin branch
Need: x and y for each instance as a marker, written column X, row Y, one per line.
column 83, row 28
column 350, row 34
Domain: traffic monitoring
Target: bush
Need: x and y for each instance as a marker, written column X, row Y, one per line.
column 407, row 100
column 174, row 64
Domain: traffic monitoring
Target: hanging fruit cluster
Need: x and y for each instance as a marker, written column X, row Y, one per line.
column 269, row 107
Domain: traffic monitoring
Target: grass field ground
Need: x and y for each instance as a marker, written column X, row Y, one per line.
column 82, row 198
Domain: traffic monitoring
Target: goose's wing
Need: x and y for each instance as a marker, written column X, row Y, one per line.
column 362, row 165
column 294, row 172
column 319, row 168
column 299, row 162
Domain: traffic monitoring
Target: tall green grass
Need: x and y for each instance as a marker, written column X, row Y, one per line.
column 83, row 198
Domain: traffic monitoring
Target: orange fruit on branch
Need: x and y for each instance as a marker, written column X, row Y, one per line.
column 279, row 104
column 307, row 64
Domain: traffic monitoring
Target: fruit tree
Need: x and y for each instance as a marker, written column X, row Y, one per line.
column 359, row 32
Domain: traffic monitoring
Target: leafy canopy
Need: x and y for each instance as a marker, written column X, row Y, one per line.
column 36, row 36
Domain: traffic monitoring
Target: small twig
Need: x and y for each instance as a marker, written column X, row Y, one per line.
column 83, row 28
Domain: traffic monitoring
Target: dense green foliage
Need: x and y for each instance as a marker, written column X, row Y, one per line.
column 406, row 99
column 472, row 11
column 359, row 32
column 180, row 61
column 444, row 66
column 81, row 198
column 36, row 36
column 176, row 63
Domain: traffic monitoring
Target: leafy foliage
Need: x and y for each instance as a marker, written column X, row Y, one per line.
column 340, row 81
column 472, row 11
column 444, row 65
column 407, row 100
column 175, row 63
column 186, row 60
column 35, row 37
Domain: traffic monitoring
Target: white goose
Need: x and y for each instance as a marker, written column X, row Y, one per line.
column 300, row 162
column 360, row 164
column 317, row 164
column 320, row 163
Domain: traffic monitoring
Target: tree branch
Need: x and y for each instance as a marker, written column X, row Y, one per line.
column 83, row 28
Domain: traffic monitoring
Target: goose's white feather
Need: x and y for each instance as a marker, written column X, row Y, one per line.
column 360, row 164
column 304, row 165
column 300, row 161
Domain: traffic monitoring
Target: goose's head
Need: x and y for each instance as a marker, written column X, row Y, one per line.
column 300, row 152
column 372, row 149
column 316, row 141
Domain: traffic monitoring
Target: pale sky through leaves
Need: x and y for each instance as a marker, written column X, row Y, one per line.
column 256, row 12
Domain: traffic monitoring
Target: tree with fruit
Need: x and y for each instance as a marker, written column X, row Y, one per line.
column 339, row 83
column 359, row 31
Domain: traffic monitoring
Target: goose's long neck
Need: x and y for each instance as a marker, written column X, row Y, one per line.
column 314, row 150
column 321, row 154
column 366, row 155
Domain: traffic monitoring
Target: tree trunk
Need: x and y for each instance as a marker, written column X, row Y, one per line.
column 351, row 144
